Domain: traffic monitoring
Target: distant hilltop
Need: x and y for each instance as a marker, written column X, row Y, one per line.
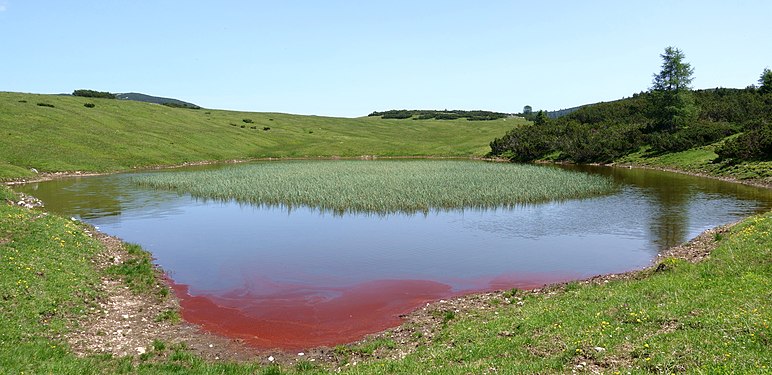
column 137, row 97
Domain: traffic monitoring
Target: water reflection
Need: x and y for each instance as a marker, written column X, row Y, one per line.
column 241, row 259
column 679, row 203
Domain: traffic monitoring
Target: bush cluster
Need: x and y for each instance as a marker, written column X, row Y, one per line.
column 606, row 131
column 754, row 144
column 439, row 115
column 94, row 94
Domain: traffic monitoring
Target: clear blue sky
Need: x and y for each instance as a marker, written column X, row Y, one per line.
column 348, row 58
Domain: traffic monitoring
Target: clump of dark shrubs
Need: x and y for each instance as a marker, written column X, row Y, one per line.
column 604, row 132
column 266, row 128
column 754, row 144
column 695, row 135
column 439, row 115
column 22, row 101
column 94, row 94
column 89, row 105
column 46, row 105
column 248, row 120
column 253, row 127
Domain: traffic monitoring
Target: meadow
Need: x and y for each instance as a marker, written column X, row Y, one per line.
column 64, row 135
column 383, row 185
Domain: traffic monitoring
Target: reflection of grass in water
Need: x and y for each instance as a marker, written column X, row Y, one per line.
column 383, row 186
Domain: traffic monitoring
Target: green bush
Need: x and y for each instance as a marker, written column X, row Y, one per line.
column 93, row 94
column 696, row 135
column 89, row 105
column 755, row 144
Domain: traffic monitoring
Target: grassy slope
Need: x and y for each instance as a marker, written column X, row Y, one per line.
column 703, row 160
column 119, row 135
column 708, row 317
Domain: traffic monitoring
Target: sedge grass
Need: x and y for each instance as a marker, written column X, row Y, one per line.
column 383, row 186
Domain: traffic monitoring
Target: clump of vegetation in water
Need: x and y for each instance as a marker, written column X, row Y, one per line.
column 384, row 186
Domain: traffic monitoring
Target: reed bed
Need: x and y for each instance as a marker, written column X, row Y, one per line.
column 382, row 186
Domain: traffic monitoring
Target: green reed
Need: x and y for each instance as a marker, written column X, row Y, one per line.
column 383, row 186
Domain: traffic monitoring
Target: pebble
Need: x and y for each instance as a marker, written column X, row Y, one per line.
column 270, row 359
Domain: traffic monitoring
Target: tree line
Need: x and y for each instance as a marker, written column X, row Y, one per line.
column 670, row 117
column 94, row 94
column 439, row 115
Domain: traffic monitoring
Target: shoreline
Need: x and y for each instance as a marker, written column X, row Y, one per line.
column 416, row 329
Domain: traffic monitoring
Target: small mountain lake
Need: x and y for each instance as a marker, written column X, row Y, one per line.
column 297, row 277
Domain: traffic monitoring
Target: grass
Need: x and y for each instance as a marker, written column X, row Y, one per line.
column 383, row 186
column 121, row 135
column 703, row 160
column 709, row 317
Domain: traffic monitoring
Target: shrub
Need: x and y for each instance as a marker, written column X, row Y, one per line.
column 93, row 94
column 46, row 105
column 89, row 105
column 247, row 120
column 266, row 128
column 699, row 134
column 755, row 144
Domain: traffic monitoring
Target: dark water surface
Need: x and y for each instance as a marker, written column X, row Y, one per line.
column 294, row 278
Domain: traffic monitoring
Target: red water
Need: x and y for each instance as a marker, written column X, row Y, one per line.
column 295, row 317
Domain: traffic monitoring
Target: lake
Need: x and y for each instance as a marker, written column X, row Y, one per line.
column 297, row 277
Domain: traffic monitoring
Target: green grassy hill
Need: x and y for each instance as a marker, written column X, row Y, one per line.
column 119, row 135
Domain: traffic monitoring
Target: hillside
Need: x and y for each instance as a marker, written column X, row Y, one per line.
column 730, row 135
column 58, row 133
column 155, row 100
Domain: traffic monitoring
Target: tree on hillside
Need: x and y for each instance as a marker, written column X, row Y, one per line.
column 671, row 103
column 765, row 81
column 541, row 118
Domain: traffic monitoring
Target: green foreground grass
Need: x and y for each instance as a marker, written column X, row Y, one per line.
column 120, row 135
column 383, row 186
column 709, row 317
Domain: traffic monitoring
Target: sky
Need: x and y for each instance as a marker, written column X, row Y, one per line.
column 349, row 58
